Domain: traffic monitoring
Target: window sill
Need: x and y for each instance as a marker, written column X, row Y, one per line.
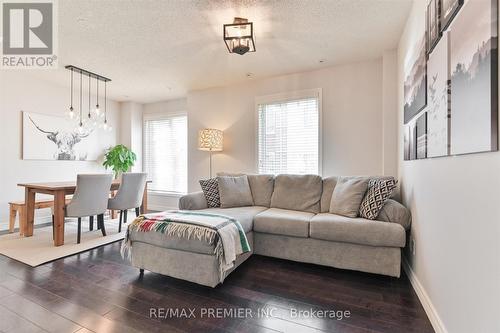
column 166, row 194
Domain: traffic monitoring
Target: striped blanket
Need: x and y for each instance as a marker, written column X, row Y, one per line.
column 223, row 231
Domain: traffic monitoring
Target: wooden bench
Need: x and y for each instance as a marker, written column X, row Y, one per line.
column 20, row 206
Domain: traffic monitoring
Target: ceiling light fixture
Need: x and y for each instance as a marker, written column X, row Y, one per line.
column 239, row 37
column 92, row 122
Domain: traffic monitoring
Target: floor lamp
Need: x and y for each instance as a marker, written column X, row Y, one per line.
column 210, row 140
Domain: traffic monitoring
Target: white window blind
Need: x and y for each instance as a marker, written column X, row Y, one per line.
column 165, row 153
column 288, row 136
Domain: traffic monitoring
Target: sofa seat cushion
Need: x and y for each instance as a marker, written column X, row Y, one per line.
column 356, row 230
column 283, row 222
column 245, row 215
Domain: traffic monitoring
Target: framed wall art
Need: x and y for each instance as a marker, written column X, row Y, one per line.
column 474, row 78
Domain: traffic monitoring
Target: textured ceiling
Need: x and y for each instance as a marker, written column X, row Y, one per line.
column 157, row 50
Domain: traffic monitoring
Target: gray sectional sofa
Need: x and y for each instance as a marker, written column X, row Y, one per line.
column 290, row 219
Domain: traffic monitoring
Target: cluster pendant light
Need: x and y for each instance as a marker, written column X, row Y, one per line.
column 94, row 119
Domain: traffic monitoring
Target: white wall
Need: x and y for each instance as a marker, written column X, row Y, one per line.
column 352, row 121
column 455, row 205
column 22, row 91
column 390, row 112
column 131, row 130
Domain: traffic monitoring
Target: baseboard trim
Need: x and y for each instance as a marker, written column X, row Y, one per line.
column 38, row 220
column 424, row 298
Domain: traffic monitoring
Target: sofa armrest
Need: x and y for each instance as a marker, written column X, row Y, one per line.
column 395, row 212
column 193, row 201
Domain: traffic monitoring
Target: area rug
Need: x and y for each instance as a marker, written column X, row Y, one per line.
column 39, row 249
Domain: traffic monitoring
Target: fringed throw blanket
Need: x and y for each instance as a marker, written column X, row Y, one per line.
column 223, row 231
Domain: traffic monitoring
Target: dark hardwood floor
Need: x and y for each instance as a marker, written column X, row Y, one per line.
column 97, row 291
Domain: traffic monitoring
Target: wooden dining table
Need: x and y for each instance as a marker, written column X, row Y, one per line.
column 59, row 190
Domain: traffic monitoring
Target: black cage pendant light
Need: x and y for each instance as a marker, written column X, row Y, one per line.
column 239, row 36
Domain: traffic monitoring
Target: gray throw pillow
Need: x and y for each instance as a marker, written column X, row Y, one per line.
column 347, row 196
column 234, row 191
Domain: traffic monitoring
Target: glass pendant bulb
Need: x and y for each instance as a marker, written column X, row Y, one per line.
column 105, row 125
column 97, row 110
column 71, row 113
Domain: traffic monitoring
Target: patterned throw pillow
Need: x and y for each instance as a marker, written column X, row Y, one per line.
column 379, row 190
column 210, row 188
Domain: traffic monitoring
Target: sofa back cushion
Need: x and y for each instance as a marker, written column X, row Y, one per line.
column 329, row 184
column 234, row 191
column 297, row 192
column 348, row 195
column 261, row 186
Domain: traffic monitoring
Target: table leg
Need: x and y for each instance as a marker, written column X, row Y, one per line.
column 59, row 202
column 144, row 206
column 113, row 212
column 29, row 219
column 22, row 220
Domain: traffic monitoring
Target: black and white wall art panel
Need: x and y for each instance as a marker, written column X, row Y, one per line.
column 438, row 101
column 415, row 92
column 421, row 125
column 413, row 140
column 449, row 8
column 406, row 142
column 433, row 31
column 474, row 76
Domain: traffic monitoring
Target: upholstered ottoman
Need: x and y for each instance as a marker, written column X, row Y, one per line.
column 188, row 259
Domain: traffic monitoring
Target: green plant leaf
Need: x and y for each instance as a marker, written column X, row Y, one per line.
column 119, row 159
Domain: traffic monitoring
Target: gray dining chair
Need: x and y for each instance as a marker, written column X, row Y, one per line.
column 90, row 199
column 129, row 195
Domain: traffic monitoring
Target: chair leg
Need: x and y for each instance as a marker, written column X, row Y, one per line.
column 78, row 236
column 125, row 216
column 100, row 217
column 120, row 221
column 137, row 211
column 53, row 229
column 91, row 223
column 12, row 219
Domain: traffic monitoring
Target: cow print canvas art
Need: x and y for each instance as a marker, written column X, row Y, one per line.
column 47, row 137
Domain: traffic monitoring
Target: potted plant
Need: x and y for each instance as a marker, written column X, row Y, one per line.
column 119, row 158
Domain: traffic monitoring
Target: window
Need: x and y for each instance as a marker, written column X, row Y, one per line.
column 289, row 133
column 165, row 152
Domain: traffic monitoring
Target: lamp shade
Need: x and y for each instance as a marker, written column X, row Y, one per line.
column 210, row 139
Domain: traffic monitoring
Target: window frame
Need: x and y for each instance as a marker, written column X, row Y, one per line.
column 286, row 97
column 163, row 116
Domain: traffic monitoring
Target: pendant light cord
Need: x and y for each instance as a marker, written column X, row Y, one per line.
column 105, row 101
column 97, row 102
column 81, row 118
column 89, row 97
column 71, row 106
